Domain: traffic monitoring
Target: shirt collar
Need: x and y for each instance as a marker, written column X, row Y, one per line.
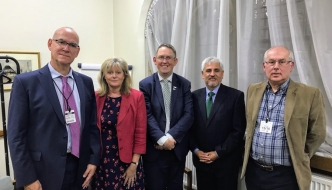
column 283, row 88
column 214, row 90
column 168, row 79
column 56, row 74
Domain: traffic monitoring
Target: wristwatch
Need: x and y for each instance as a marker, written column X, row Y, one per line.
column 136, row 163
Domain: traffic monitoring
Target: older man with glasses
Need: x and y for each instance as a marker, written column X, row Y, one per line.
column 285, row 126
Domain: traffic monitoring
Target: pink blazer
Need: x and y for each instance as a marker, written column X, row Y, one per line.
column 131, row 124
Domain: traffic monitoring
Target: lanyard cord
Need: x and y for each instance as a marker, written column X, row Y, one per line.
column 68, row 107
column 266, row 104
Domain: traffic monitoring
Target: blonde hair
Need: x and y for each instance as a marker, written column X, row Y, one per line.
column 106, row 66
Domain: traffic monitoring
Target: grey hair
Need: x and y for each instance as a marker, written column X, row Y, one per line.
column 290, row 56
column 212, row 60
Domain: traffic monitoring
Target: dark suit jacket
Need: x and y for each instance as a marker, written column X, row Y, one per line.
column 131, row 124
column 181, row 114
column 37, row 132
column 223, row 131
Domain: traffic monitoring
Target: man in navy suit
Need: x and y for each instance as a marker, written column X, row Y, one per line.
column 170, row 116
column 40, row 137
column 218, row 130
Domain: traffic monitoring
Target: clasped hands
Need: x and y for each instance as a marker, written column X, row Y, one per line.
column 168, row 145
column 206, row 157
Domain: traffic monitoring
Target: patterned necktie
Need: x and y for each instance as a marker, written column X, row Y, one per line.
column 74, row 127
column 167, row 102
column 209, row 103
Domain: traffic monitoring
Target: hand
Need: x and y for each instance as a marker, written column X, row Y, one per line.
column 158, row 147
column 169, row 144
column 90, row 170
column 33, row 186
column 130, row 176
column 206, row 157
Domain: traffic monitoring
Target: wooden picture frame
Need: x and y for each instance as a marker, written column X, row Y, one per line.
column 28, row 61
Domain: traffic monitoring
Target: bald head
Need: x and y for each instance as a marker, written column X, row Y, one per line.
column 64, row 47
column 64, row 30
column 290, row 53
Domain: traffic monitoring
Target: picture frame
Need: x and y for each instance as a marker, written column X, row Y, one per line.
column 28, row 61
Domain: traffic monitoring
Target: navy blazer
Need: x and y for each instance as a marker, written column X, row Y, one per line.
column 223, row 131
column 181, row 114
column 37, row 134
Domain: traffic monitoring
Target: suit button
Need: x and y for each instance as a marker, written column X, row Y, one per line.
column 64, row 154
column 120, row 148
column 64, row 137
column 120, row 139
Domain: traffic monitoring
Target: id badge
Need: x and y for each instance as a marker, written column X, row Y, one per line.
column 265, row 127
column 70, row 116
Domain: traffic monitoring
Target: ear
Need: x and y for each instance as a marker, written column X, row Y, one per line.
column 49, row 43
column 175, row 61
column 155, row 60
column 78, row 51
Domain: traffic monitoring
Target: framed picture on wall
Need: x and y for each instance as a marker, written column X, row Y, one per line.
column 28, row 61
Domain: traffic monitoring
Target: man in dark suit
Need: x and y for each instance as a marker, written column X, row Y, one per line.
column 170, row 115
column 218, row 130
column 53, row 137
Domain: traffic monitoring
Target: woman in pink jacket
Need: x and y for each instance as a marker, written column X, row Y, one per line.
column 121, row 118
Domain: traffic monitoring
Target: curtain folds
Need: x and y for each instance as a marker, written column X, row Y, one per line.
column 239, row 32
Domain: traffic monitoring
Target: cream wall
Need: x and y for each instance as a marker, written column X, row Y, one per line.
column 106, row 28
column 129, row 24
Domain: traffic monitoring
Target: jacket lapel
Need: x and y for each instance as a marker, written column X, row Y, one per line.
column 125, row 104
column 258, row 92
column 202, row 103
column 46, row 82
column 289, row 102
column 81, row 92
column 174, row 93
column 100, row 105
column 218, row 101
column 158, row 90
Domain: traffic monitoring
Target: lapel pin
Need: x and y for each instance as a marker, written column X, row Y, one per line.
column 174, row 87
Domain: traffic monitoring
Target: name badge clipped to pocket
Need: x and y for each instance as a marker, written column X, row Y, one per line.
column 265, row 127
column 70, row 116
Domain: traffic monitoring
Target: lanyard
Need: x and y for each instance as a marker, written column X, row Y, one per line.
column 266, row 104
column 67, row 104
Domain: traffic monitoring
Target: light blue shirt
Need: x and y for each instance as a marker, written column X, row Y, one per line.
column 215, row 92
column 58, row 83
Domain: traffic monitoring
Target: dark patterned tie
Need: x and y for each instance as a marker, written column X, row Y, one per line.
column 209, row 103
column 167, row 102
column 74, row 127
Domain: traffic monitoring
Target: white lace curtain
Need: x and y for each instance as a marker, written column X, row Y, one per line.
column 239, row 32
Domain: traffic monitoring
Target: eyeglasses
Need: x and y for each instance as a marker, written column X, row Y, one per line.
column 273, row 62
column 63, row 43
column 167, row 58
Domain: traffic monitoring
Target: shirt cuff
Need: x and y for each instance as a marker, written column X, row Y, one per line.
column 162, row 140
column 169, row 135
